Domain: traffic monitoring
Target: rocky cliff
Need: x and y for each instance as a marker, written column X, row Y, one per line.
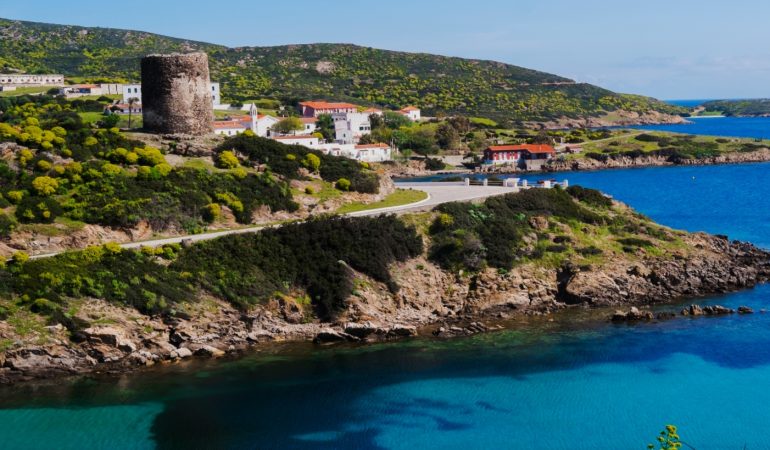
column 431, row 300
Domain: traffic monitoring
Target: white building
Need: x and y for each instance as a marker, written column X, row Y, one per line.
column 265, row 124
column 349, row 127
column 238, row 124
column 309, row 125
column 28, row 80
column 305, row 140
column 413, row 113
column 363, row 152
column 80, row 90
column 135, row 91
column 132, row 91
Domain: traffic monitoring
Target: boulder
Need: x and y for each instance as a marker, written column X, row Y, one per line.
column 745, row 310
column 402, row 331
column 633, row 315
column 330, row 336
column 181, row 353
column 209, row 352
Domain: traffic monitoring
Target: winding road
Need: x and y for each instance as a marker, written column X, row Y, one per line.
column 438, row 193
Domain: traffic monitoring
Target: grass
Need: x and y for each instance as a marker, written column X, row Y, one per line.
column 93, row 117
column 398, row 198
column 62, row 226
column 626, row 141
column 25, row 91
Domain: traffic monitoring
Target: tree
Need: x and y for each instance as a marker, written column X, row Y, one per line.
column 395, row 120
column 325, row 125
column 376, row 121
column 131, row 102
column 288, row 125
column 447, row 136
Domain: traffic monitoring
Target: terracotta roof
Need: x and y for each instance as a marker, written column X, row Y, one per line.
column 373, row 110
column 410, row 108
column 531, row 148
column 84, row 86
column 328, row 105
column 226, row 124
column 365, row 146
column 308, row 119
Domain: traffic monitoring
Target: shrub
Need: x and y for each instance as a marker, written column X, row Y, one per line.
column 212, row 212
column 316, row 256
column 343, row 184
column 7, row 224
column 45, row 185
column 590, row 196
column 312, row 162
column 227, row 160
column 467, row 236
column 434, row 164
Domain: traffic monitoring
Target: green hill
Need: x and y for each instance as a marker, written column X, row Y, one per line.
column 437, row 84
column 740, row 108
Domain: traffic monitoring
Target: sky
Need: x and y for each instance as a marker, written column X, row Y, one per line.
column 673, row 49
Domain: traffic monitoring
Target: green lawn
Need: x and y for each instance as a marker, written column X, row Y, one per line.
column 93, row 117
column 398, row 198
column 25, row 90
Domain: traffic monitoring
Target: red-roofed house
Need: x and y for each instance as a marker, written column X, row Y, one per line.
column 315, row 109
column 520, row 155
column 309, row 125
column 412, row 112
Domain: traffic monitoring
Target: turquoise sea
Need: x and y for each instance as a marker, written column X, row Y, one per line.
column 575, row 383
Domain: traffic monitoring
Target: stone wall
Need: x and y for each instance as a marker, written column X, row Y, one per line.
column 176, row 94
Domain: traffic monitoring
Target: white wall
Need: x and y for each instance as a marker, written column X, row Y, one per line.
column 349, row 127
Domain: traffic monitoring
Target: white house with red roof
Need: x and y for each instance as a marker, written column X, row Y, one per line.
column 316, row 108
column 238, row 124
column 524, row 156
column 308, row 124
column 412, row 112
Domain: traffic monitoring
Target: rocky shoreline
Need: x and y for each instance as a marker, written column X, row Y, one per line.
column 430, row 302
column 625, row 162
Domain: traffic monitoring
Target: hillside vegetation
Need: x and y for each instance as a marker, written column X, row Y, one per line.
column 752, row 107
column 437, row 84
column 54, row 168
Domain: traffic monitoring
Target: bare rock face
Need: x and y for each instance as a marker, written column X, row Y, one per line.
column 176, row 96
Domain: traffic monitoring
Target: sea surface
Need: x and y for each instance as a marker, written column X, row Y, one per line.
column 575, row 383
column 746, row 127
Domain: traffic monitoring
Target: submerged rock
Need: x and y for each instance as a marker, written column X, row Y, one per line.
column 634, row 314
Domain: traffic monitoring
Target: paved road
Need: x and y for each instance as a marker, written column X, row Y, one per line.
column 437, row 193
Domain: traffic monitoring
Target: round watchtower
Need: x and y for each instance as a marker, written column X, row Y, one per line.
column 176, row 94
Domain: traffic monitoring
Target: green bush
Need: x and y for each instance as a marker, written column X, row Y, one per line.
column 468, row 236
column 343, row 184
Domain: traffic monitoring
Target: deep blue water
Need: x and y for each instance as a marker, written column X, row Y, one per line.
column 567, row 384
column 748, row 127
column 689, row 103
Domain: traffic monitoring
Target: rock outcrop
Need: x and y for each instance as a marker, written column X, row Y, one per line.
column 430, row 301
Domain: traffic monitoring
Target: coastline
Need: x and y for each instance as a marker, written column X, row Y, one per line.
column 431, row 302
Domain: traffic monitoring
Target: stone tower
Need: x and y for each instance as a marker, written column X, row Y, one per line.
column 176, row 97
